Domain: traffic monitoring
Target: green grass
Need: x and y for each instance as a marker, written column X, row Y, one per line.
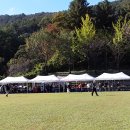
column 74, row 111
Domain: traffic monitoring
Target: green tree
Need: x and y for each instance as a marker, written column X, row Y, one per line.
column 120, row 43
column 20, row 63
column 38, row 50
column 84, row 37
column 77, row 9
column 87, row 30
column 63, row 56
column 61, row 20
column 105, row 15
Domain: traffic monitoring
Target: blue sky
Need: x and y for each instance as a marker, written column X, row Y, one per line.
column 34, row 6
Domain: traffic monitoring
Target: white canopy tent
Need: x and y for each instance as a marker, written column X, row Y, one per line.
column 6, row 80
column 9, row 80
column 122, row 76
column 60, row 77
column 40, row 79
column 114, row 76
column 76, row 78
column 87, row 77
column 20, row 79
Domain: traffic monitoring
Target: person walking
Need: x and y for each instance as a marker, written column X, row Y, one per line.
column 7, row 89
column 94, row 89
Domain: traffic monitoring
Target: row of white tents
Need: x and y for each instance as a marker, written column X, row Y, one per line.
column 69, row 78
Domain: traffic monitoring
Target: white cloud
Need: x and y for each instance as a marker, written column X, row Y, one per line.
column 11, row 11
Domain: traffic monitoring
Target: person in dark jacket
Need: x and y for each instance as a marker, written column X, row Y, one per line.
column 94, row 89
column 7, row 89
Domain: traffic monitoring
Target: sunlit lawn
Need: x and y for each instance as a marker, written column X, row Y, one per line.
column 63, row 111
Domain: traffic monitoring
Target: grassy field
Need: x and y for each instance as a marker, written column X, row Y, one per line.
column 62, row 111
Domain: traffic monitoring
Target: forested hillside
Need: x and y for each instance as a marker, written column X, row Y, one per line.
column 84, row 37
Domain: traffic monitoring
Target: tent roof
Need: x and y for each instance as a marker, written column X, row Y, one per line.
column 82, row 77
column 20, row 79
column 114, row 76
column 49, row 78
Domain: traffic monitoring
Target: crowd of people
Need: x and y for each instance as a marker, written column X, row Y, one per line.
column 13, row 88
column 100, row 86
column 92, row 86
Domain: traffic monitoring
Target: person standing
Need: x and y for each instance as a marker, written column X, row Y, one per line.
column 94, row 89
column 68, row 88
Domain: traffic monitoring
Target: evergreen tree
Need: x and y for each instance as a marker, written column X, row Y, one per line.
column 105, row 15
column 77, row 9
